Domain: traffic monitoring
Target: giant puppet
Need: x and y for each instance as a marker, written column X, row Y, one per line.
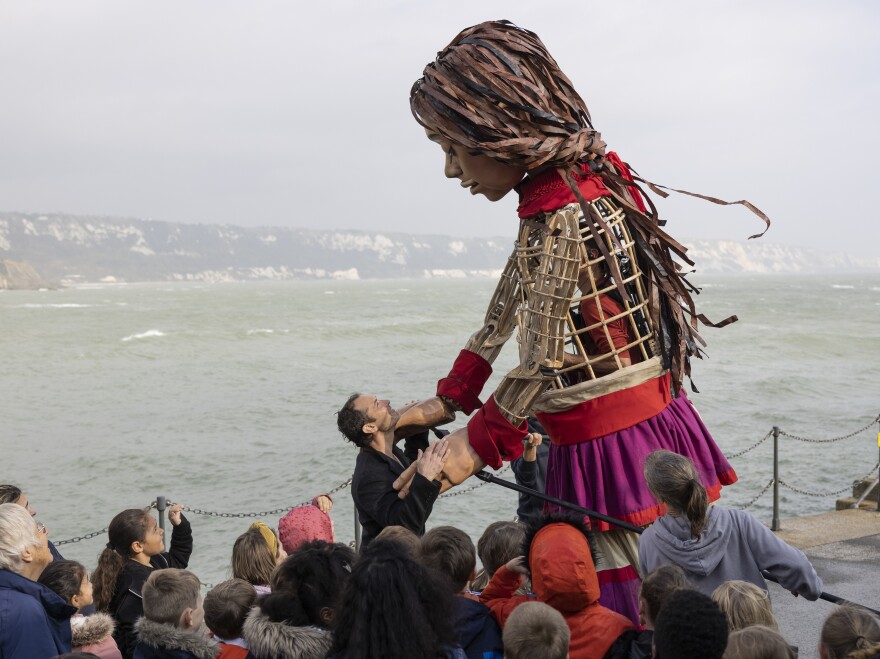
column 604, row 317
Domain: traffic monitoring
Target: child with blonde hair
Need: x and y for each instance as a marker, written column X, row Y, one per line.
column 255, row 555
column 744, row 605
column 757, row 642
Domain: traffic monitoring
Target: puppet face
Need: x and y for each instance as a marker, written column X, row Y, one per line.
column 478, row 173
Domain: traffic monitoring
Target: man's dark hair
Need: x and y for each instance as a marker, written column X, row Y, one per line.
column 451, row 553
column 351, row 423
column 690, row 625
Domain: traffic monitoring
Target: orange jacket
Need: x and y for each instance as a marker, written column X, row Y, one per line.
column 563, row 576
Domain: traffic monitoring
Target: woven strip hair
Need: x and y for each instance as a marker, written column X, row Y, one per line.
column 495, row 90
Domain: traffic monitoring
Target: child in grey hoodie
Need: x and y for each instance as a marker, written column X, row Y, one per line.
column 714, row 545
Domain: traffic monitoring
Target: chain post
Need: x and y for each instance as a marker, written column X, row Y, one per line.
column 161, row 504
column 774, row 525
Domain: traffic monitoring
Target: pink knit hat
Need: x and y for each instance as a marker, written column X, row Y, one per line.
column 302, row 525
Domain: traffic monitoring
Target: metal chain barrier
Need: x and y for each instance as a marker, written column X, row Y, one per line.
column 835, row 439
column 468, row 490
column 753, row 446
column 342, row 486
column 760, row 494
column 209, row 513
column 826, row 494
column 79, row 538
column 262, row 513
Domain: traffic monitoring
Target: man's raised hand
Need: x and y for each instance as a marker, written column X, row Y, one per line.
column 430, row 463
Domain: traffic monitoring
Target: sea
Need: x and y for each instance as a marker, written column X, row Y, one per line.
column 223, row 396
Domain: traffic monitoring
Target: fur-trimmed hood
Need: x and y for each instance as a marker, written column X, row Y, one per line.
column 275, row 639
column 172, row 640
column 91, row 630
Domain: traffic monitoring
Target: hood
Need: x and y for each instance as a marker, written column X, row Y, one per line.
column 471, row 618
column 54, row 605
column 563, row 573
column 275, row 639
column 91, row 630
column 168, row 637
column 697, row 555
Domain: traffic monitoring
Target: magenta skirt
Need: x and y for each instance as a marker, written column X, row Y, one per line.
column 606, row 474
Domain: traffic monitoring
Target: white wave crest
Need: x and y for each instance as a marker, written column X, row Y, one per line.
column 149, row 334
column 251, row 332
column 845, row 286
column 70, row 305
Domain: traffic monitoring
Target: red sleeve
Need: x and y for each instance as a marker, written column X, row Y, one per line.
column 465, row 381
column 499, row 596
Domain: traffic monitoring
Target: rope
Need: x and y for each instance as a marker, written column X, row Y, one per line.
column 835, row 439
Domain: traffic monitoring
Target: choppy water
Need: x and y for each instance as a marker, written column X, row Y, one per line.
column 223, row 396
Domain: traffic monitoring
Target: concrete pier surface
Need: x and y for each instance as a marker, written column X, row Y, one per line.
column 844, row 547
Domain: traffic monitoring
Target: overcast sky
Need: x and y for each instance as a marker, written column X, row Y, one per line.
column 296, row 113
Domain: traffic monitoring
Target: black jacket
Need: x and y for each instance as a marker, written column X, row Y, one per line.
column 127, row 605
column 376, row 499
column 632, row 644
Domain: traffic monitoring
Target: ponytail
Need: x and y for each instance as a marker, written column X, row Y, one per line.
column 127, row 527
column 851, row 633
column 673, row 480
column 697, row 507
column 870, row 650
column 110, row 564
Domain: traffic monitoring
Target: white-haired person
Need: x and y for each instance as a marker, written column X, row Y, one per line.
column 34, row 621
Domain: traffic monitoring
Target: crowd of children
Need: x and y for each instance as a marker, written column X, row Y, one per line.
column 297, row 594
